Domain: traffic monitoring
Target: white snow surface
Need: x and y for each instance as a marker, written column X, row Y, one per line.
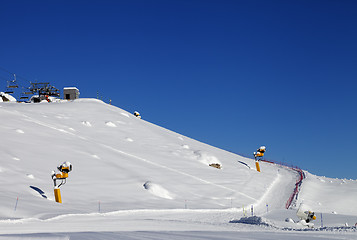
column 132, row 179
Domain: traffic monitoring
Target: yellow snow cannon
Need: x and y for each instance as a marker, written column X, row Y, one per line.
column 64, row 169
column 258, row 156
column 137, row 114
column 306, row 215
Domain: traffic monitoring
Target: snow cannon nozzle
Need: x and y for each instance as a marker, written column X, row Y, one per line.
column 65, row 167
column 137, row 114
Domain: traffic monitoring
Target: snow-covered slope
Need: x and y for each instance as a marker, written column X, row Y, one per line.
column 126, row 168
column 328, row 195
column 122, row 161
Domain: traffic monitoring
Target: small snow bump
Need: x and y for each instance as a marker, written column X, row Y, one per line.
column 110, row 124
column 30, row 176
column 16, row 159
column 206, row 158
column 86, row 123
column 129, row 139
column 185, row 146
column 181, row 138
column 19, row 131
column 95, row 156
column 157, row 190
column 125, row 114
column 72, row 129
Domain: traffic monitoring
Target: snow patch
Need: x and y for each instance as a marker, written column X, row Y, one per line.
column 185, row 146
column 86, row 123
column 62, row 117
column 157, row 190
column 129, row 139
column 206, row 158
column 19, row 131
column 125, row 114
column 30, row 176
column 110, row 124
column 16, row 159
column 95, row 156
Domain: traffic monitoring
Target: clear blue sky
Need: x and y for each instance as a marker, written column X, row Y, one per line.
column 233, row 74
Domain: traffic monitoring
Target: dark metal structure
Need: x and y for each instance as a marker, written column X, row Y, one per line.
column 11, row 85
column 44, row 89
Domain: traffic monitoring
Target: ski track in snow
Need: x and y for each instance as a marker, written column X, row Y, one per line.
column 136, row 157
column 268, row 189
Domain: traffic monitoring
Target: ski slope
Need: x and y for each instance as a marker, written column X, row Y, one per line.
column 130, row 175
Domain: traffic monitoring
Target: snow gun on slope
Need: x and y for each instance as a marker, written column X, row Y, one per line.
column 64, row 169
column 306, row 215
column 258, row 155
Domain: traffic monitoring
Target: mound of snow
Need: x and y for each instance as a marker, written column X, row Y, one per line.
column 125, row 114
column 86, row 123
column 30, row 176
column 157, row 190
column 253, row 220
column 19, row 131
column 110, row 124
column 206, row 158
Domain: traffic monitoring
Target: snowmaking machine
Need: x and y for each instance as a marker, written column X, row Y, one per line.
column 62, row 175
column 137, row 114
column 258, row 155
column 306, row 215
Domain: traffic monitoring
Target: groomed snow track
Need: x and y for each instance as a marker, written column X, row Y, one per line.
column 297, row 184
